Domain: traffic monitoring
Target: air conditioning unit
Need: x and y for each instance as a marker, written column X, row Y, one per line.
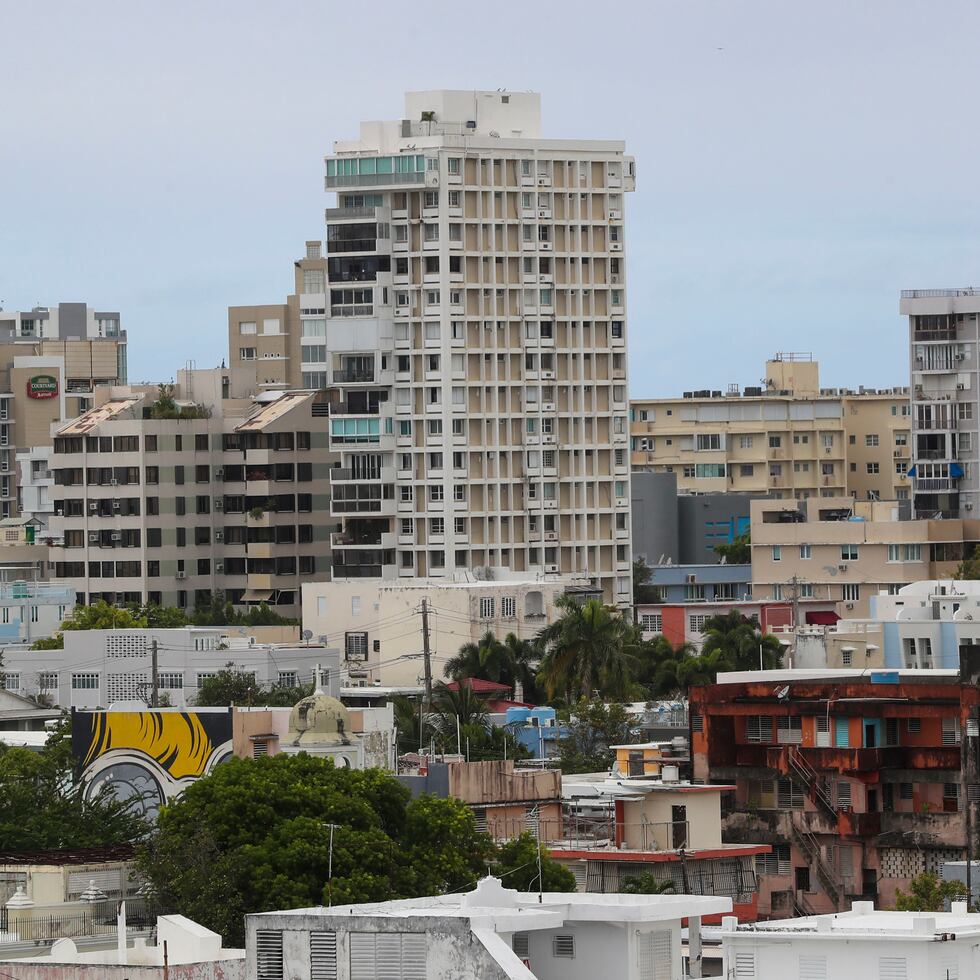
column 113, row 482
column 116, row 536
column 968, row 506
column 92, row 505
column 961, row 387
column 219, row 503
column 219, row 567
column 849, row 605
column 842, row 568
column 219, row 535
column 219, row 473
column 961, row 357
column 59, row 513
column 116, row 505
column 93, row 537
column 181, row 575
column 551, row 568
column 690, row 579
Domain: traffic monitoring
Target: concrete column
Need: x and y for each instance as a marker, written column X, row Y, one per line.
column 694, row 945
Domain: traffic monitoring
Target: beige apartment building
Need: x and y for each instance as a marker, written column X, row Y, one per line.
column 51, row 359
column 234, row 498
column 469, row 323
column 846, row 551
column 787, row 437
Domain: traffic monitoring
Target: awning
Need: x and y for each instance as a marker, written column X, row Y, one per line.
column 955, row 470
column 910, row 471
column 819, row 617
column 256, row 595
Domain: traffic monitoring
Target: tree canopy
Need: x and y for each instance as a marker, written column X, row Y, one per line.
column 643, row 591
column 517, row 866
column 233, row 685
column 594, row 727
column 928, row 894
column 969, row 568
column 254, row 835
column 738, row 551
column 217, row 611
column 41, row 808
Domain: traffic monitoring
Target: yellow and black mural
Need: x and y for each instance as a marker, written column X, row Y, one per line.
column 148, row 757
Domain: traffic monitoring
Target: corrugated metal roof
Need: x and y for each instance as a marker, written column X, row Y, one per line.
column 96, row 416
column 274, row 411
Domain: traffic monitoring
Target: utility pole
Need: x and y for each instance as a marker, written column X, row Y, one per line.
column 426, row 654
column 796, row 603
column 154, row 676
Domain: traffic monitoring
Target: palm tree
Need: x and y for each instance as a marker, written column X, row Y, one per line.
column 738, row 639
column 488, row 659
column 408, row 721
column 522, row 658
column 646, row 884
column 591, row 647
column 456, row 705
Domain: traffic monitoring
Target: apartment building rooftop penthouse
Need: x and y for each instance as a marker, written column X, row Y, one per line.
column 784, row 435
column 469, row 320
column 944, row 358
column 230, row 496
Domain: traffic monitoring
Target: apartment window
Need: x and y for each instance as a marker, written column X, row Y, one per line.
column 758, row 728
column 486, row 607
column 873, row 468
column 745, row 442
column 246, row 353
column 84, row 682
column 804, row 439
column 246, row 327
column 775, row 469
column 850, row 593
column 777, row 593
column 777, row 552
column 845, row 656
column 849, row 552
column 437, row 525
column 951, row 731
column 709, row 441
column 651, row 622
column 453, row 165
column 170, row 681
column 746, row 469
column 871, row 440
column 805, row 551
column 47, row 681
column 775, row 442
column 508, row 607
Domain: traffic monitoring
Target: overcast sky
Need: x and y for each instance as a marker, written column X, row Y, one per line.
column 797, row 164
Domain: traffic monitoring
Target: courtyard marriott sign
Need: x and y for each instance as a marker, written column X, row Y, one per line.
column 42, row 386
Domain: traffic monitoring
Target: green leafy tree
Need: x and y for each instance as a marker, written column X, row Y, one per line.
column 232, row 685
column 928, row 894
column 737, row 639
column 659, row 665
column 517, row 866
column 589, row 649
column 594, row 728
column 646, row 884
column 738, row 551
column 166, row 407
column 969, row 568
column 41, row 808
column 643, row 591
column 254, row 836
column 408, row 721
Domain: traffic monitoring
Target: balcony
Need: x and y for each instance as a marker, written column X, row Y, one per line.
column 350, row 214
column 353, row 376
column 356, row 309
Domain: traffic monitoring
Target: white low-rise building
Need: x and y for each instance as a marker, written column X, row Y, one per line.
column 491, row 933
column 98, row 668
column 865, row 942
column 378, row 623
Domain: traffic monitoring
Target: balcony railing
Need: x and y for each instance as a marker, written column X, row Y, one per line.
column 351, row 245
column 343, row 214
column 358, row 309
column 353, row 376
column 933, row 484
column 374, row 180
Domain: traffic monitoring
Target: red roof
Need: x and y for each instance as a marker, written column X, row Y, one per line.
column 479, row 685
column 822, row 618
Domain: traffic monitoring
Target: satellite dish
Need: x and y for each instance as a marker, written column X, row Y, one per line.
column 782, row 692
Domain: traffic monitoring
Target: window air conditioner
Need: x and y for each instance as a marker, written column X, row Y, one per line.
column 219, row 535
column 113, row 482
column 219, row 567
column 115, row 536
column 181, row 575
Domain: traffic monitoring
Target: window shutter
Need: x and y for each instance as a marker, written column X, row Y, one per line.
column 323, row 956
column 268, row 955
column 563, row 946
column 745, row 965
column 520, row 945
column 387, row 956
column 813, row 968
column 892, row 968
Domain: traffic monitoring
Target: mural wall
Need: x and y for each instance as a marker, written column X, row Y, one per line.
column 148, row 757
